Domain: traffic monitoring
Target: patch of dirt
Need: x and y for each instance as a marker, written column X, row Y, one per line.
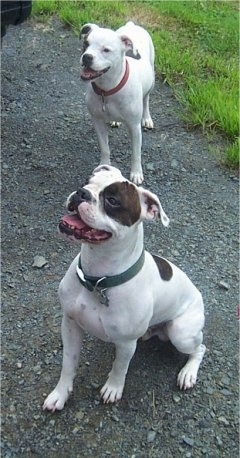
column 48, row 147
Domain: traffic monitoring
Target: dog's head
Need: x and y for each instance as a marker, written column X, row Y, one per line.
column 103, row 49
column 108, row 206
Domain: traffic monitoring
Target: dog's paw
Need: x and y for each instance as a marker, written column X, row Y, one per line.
column 115, row 124
column 187, row 377
column 147, row 123
column 136, row 177
column 56, row 400
column 111, row 392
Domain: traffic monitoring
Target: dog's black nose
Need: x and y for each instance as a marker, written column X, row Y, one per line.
column 84, row 195
column 81, row 195
column 87, row 60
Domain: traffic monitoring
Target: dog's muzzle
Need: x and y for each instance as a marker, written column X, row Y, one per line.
column 87, row 60
column 81, row 195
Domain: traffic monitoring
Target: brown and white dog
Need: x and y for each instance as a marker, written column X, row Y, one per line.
column 120, row 68
column 117, row 291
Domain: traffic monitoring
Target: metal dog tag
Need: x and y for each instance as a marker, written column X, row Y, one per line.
column 103, row 297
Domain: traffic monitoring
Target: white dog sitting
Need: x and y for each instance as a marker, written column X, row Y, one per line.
column 117, row 291
column 120, row 84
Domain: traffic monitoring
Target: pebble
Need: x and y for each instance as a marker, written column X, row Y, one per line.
column 219, row 441
column 151, row 436
column 209, row 390
column 79, row 415
column 226, row 392
column 39, row 262
column 188, row 441
column 225, row 380
column 176, row 398
column 224, row 285
column 150, row 167
column 174, row 163
column 222, row 419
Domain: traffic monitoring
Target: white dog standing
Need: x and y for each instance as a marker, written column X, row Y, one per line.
column 120, row 85
column 117, row 291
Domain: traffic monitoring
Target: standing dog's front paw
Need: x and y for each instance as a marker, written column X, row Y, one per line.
column 115, row 124
column 147, row 123
column 56, row 399
column 136, row 177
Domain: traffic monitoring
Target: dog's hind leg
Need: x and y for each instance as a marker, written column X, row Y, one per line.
column 147, row 121
column 136, row 175
column 187, row 376
column 102, row 135
column 185, row 333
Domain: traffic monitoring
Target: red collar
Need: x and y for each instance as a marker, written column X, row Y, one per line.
column 123, row 81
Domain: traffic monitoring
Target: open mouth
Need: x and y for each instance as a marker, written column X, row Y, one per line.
column 88, row 74
column 75, row 228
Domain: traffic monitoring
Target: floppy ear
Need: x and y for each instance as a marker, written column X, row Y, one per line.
column 127, row 43
column 151, row 207
column 130, row 49
column 86, row 29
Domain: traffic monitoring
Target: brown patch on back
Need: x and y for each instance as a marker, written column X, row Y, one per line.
column 165, row 269
column 121, row 202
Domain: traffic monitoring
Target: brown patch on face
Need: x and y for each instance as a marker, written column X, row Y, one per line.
column 121, row 202
column 165, row 269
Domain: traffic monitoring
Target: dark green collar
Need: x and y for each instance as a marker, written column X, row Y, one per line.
column 101, row 284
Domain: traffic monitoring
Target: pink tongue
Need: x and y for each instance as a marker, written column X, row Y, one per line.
column 87, row 73
column 75, row 221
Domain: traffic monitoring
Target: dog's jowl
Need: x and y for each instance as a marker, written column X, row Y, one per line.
column 119, row 68
column 117, row 291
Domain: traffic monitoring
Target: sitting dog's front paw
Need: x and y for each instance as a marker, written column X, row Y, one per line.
column 56, row 399
column 187, row 378
column 111, row 392
column 136, row 177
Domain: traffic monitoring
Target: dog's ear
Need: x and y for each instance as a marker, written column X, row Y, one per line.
column 130, row 49
column 86, row 29
column 151, row 207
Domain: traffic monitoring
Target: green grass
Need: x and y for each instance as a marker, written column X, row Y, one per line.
column 196, row 45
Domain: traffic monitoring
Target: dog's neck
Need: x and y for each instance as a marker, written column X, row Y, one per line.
column 113, row 256
column 98, row 90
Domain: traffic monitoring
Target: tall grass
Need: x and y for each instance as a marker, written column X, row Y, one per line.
column 196, row 46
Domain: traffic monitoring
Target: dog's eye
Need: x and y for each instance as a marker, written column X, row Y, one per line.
column 106, row 50
column 113, row 201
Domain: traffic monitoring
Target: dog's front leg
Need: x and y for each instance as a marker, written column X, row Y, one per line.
column 136, row 175
column 102, row 135
column 72, row 337
column 113, row 388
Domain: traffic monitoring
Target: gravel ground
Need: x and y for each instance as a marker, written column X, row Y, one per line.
column 48, row 144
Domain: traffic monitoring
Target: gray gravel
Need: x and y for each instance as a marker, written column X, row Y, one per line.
column 48, row 146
